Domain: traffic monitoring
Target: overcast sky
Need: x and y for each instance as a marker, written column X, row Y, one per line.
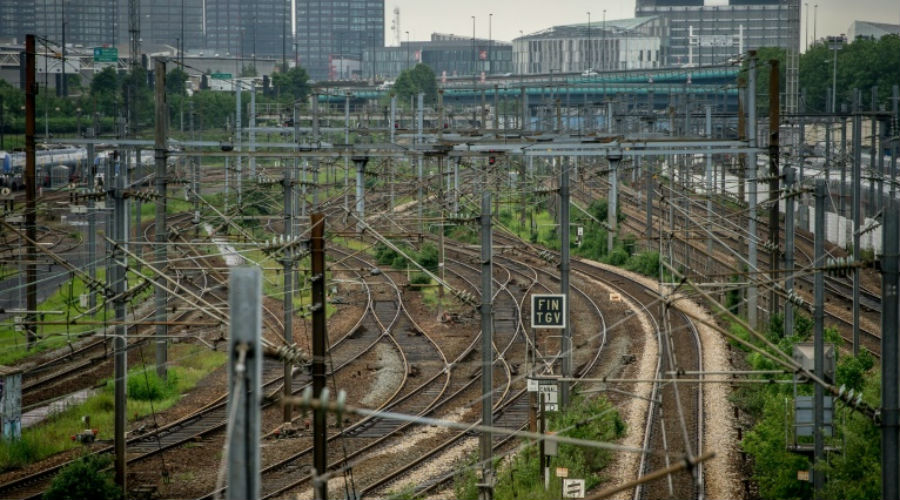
column 422, row 17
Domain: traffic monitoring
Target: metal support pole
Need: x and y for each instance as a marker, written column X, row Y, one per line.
column 91, row 216
column 774, row 216
column 119, row 285
column 612, row 204
column 160, row 155
column 393, row 126
column 801, row 155
column 819, row 339
column 347, row 141
column 420, row 182
column 895, row 137
column 288, row 298
column 872, row 202
column 564, row 229
column 890, row 371
column 239, row 134
column 31, row 89
column 456, row 187
column 320, row 346
column 252, row 131
column 486, row 488
column 710, row 187
column 857, row 210
column 524, row 97
column 360, row 162
column 245, row 381
column 752, row 291
column 315, row 162
column 789, row 250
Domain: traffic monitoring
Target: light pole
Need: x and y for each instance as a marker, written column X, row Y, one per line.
column 806, row 36
column 834, row 43
column 589, row 62
column 603, row 45
column 407, row 50
column 474, row 54
column 490, row 42
column 815, row 21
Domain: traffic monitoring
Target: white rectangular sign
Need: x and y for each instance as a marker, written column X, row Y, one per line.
column 573, row 488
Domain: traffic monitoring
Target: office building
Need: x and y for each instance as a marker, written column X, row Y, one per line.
column 603, row 45
column 701, row 34
column 333, row 35
column 446, row 55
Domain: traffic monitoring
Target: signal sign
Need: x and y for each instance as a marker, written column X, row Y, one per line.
column 548, row 311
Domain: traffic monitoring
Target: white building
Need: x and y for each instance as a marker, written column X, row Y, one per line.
column 868, row 29
column 601, row 45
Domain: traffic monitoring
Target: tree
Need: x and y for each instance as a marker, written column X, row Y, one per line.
column 175, row 81
column 414, row 81
column 295, row 83
column 861, row 64
column 105, row 82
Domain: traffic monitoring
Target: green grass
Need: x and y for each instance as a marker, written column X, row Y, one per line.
column 191, row 363
column 66, row 298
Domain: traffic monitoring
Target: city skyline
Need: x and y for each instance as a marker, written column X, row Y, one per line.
column 423, row 17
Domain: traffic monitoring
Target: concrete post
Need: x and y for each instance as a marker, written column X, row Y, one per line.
column 487, row 364
column 160, row 154
column 819, row 339
column 857, row 210
column 890, row 371
column 752, row 236
column 245, row 381
column 564, row 229
column 789, row 250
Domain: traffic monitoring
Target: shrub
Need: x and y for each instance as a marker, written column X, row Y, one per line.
column 420, row 279
column 147, row 386
column 84, row 478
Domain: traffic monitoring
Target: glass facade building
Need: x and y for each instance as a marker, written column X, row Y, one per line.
column 712, row 34
column 336, row 30
column 445, row 54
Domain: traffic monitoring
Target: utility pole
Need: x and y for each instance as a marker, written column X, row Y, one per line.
column 710, row 187
column 245, row 381
column 789, row 181
column 360, row 162
column 857, row 210
column 320, row 429
column 752, row 292
column 91, row 216
column 346, row 141
column 486, row 486
column 315, row 162
column 393, row 127
column 252, row 132
column 819, row 341
column 119, row 285
column 564, row 229
column 890, row 374
column 774, row 144
column 239, row 133
column 420, row 183
column 30, row 194
column 287, row 261
column 613, row 157
column 895, row 103
column 160, row 252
